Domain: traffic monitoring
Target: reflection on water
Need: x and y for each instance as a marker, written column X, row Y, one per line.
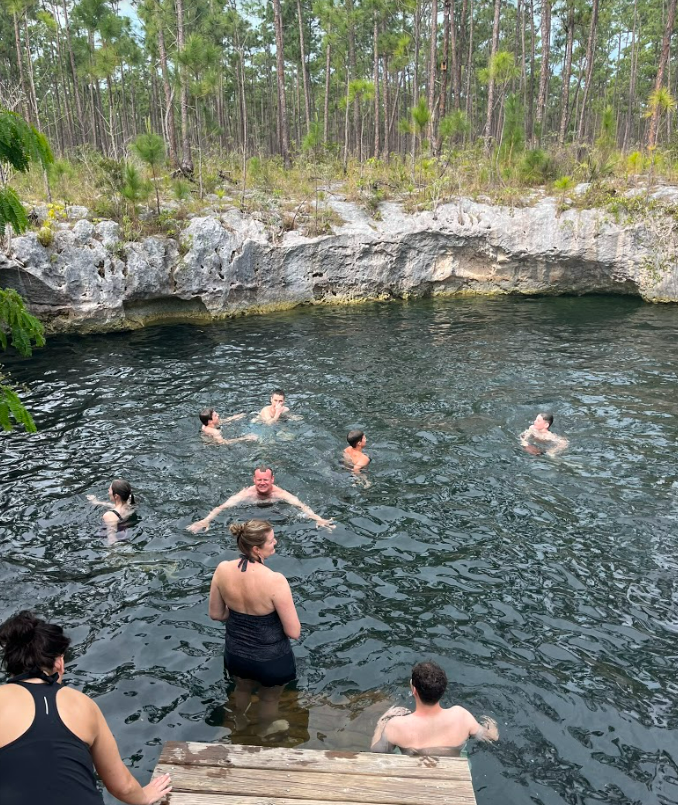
column 545, row 586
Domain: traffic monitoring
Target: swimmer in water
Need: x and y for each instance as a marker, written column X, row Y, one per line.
column 353, row 454
column 122, row 509
column 431, row 729
column 211, row 427
column 262, row 491
column 276, row 410
column 540, row 432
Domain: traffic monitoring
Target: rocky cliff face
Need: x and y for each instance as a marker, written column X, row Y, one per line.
column 226, row 263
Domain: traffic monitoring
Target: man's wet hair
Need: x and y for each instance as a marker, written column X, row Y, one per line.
column 205, row 415
column 277, row 391
column 430, row 681
column 547, row 418
column 354, row 436
column 264, row 468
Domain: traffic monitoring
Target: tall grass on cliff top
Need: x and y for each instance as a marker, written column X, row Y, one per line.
column 510, row 174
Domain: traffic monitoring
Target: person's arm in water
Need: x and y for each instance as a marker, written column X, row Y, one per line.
column 218, row 610
column 483, row 730
column 281, row 494
column 234, row 500
column 94, row 500
column 559, row 444
column 234, row 418
column 248, row 437
column 380, row 741
column 215, row 435
column 115, row 775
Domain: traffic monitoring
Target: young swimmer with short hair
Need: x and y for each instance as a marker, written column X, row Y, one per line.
column 540, row 432
column 431, row 729
column 211, row 427
column 353, row 454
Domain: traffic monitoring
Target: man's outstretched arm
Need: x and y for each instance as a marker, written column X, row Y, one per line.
column 234, row 500
column 307, row 510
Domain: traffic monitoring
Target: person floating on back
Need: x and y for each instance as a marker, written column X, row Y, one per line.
column 540, row 432
column 353, row 454
column 122, row 507
column 431, row 729
column 211, row 427
column 53, row 737
column 262, row 491
column 276, row 410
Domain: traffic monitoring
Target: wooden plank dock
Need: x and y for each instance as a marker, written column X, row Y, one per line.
column 225, row 774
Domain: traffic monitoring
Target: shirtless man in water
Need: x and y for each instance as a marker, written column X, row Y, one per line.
column 540, row 432
column 277, row 409
column 353, row 454
column 211, row 424
column 262, row 491
column 431, row 729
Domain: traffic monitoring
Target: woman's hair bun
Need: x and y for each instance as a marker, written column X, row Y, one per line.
column 21, row 629
column 237, row 529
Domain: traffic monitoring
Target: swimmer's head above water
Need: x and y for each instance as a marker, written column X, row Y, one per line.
column 356, row 437
column 120, row 491
column 263, row 480
column 209, row 417
column 255, row 539
column 429, row 682
column 543, row 421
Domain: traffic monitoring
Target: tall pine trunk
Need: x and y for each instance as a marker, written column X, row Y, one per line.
column 545, row 57
column 444, row 69
column 490, row 86
column 432, row 70
column 590, row 55
column 280, row 69
column 304, row 69
column 567, row 74
column 659, row 80
column 186, row 158
column 632, row 78
column 167, row 89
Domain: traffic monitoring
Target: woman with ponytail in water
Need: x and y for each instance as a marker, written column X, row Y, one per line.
column 52, row 737
column 257, row 606
column 122, row 504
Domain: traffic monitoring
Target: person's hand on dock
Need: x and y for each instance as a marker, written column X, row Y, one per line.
column 157, row 789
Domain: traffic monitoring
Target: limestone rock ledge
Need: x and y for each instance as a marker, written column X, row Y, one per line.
column 225, row 263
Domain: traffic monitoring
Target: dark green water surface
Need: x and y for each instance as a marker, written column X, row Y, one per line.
column 546, row 587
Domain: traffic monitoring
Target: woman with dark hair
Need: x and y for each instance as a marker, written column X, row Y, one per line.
column 256, row 604
column 122, row 504
column 52, row 737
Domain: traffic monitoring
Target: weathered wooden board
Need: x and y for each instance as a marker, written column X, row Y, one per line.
column 225, row 774
column 191, row 798
column 304, row 785
column 320, row 760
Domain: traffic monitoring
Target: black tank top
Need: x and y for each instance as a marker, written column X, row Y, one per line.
column 48, row 763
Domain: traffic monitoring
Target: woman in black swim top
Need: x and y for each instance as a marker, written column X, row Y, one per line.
column 257, row 607
column 52, row 737
column 122, row 508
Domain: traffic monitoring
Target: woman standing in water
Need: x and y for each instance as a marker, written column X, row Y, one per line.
column 52, row 736
column 122, row 506
column 256, row 604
